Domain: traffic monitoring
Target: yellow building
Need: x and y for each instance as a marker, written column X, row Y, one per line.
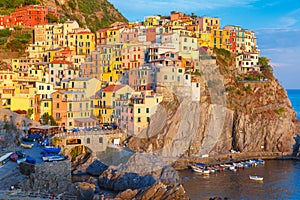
column 26, row 100
column 113, row 35
column 36, row 51
column 220, row 38
column 151, row 21
column 208, row 23
column 204, row 39
column 22, row 64
column 136, row 115
column 86, row 42
column 77, row 99
column 44, row 92
column 107, row 105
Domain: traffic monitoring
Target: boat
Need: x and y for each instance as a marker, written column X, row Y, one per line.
column 5, row 158
column 256, row 178
column 28, row 139
column 27, row 146
column 196, row 169
column 21, row 160
column 54, row 158
column 20, row 154
column 52, row 149
column 30, row 160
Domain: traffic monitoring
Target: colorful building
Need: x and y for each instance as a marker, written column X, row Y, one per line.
column 32, row 15
column 109, row 97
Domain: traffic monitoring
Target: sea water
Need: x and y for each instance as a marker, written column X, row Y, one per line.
column 294, row 96
column 281, row 178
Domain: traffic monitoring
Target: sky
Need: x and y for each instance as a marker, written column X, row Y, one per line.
column 275, row 22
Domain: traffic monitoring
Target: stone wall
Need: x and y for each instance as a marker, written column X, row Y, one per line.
column 54, row 177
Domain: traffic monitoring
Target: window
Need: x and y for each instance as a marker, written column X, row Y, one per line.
column 138, row 119
column 148, row 119
column 88, row 140
column 139, row 110
column 57, row 105
column 46, row 104
column 100, row 140
column 165, row 77
column 147, row 110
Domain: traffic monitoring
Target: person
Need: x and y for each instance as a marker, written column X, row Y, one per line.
column 102, row 196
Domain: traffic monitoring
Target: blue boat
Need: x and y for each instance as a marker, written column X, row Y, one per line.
column 30, row 160
column 201, row 164
column 51, row 149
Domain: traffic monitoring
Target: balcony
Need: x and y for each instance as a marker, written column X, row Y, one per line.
column 75, row 99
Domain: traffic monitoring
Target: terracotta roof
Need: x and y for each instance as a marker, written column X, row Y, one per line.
column 61, row 62
column 84, row 32
column 112, row 88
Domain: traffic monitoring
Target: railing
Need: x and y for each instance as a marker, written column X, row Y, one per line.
column 75, row 99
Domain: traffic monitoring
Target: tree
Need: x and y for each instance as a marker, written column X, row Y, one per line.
column 29, row 112
column 52, row 18
column 48, row 119
column 263, row 61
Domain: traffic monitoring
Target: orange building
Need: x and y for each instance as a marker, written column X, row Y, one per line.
column 59, row 108
column 31, row 15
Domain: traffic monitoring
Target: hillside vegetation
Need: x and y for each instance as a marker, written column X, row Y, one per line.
column 93, row 14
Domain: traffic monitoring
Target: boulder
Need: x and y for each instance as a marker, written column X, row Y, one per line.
column 127, row 194
column 96, row 168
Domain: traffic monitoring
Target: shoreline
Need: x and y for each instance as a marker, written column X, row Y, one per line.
column 184, row 163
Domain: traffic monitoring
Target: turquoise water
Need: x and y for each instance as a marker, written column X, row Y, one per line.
column 294, row 96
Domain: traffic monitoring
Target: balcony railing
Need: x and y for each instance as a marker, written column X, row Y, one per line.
column 75, row 99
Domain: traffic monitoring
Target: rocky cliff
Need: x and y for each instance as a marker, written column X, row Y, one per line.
column 247, row 116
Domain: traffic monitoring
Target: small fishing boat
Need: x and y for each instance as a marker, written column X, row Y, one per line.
column 27, row 146
column 54, row 158
column 256, row 178
column 5, row 158
column 52, row 149
column 30, row 160
column 28, row 139
column 196, row 169
column 21, row 160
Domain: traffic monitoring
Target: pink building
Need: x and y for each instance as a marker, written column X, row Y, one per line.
column 133, row 56
column 129, row 35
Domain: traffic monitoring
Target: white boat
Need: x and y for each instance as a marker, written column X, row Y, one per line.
column 5, row 158
column 197, row 169
column 21, row 160
column 256, row 178
column 53, row 158
column 232, row 168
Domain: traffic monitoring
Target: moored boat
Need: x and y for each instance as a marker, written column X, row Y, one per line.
column 5, row 158
column 54, row 158
column 256, row 178
column 52, row 149
column 30, row 160
column 27, row 146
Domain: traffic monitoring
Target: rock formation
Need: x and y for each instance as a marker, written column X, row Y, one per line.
column 244, row 116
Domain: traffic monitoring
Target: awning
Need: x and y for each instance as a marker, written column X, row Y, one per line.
column 85, row 120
